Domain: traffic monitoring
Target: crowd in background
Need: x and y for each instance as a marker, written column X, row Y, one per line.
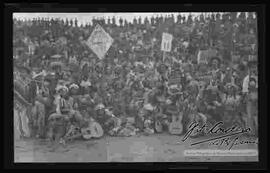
column 210, row 73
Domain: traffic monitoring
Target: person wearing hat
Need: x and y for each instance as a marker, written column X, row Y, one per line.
column 88, row 98
column 251, row 117
column 100, row 114
column 231, row 101
column 213, row 104
column 66, row 105
column 215, row 64
column 85, row 84
column 74, row 99
column 61, row 103
column 252, row 73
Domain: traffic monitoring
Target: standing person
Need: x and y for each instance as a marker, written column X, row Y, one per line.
column 59, row 75
column 48, row 96
column 246, row 93
column 252, row 106
column 42, row 108
column 231, row 101
column 213, row 103
column 61, row 103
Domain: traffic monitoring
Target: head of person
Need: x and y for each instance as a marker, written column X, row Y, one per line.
column 252, row 83
column 100, row 109
column 62, row 90
column 215, row 62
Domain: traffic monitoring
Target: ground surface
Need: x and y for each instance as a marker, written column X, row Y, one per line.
column 154, row 148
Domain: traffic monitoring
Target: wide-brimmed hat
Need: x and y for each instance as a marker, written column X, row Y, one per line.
column 148, row 107
column 100, row 106
column 75, row 86
column 61, row 87
column 85, row 84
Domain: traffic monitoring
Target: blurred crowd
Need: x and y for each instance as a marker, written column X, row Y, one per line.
column 210, row 74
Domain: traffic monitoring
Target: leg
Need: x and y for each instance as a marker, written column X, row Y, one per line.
column 41, row 119
column 249, row 120
column 256, row 124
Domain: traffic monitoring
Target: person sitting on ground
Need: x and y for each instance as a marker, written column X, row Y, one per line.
column 101, row 117
column 73, row 104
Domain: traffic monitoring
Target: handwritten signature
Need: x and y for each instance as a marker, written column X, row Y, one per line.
column 195, row 128
column 232, row 142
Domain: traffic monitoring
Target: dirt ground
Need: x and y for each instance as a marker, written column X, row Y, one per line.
column 154, row 148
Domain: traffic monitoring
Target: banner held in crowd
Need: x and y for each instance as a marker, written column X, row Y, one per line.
column 166, row 44
column 99, row 41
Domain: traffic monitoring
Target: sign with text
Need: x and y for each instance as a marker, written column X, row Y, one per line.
column 166, row 44
column 99, row 41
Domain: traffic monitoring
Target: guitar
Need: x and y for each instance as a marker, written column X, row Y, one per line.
column 176, row 126
column 94, row 130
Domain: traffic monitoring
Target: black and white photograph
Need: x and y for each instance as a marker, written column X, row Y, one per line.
column 135, row 87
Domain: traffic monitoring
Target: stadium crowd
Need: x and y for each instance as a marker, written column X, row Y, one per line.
column 210, row 75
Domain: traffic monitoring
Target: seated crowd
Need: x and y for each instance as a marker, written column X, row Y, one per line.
column 210, row 75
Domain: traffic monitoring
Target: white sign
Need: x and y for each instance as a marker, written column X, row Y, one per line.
column 99, row 41
column 205, row 55
column 166, row 44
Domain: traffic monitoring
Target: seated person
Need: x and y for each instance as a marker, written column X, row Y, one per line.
column 64, row 105
column 101, row 116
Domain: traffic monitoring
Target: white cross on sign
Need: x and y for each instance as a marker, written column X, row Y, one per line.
column 99, row 41
column 166, row 44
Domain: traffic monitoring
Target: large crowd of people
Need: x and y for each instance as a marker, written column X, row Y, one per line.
column 210, row 74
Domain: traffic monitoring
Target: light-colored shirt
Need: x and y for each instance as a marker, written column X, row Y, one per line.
column 246, row 83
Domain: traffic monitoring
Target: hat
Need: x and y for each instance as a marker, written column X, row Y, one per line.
column 148, row 107
column 74, row 86
column 99, row 106
column 211, row 87
column 229, row 85
column 61, row 87
column 85, row 84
